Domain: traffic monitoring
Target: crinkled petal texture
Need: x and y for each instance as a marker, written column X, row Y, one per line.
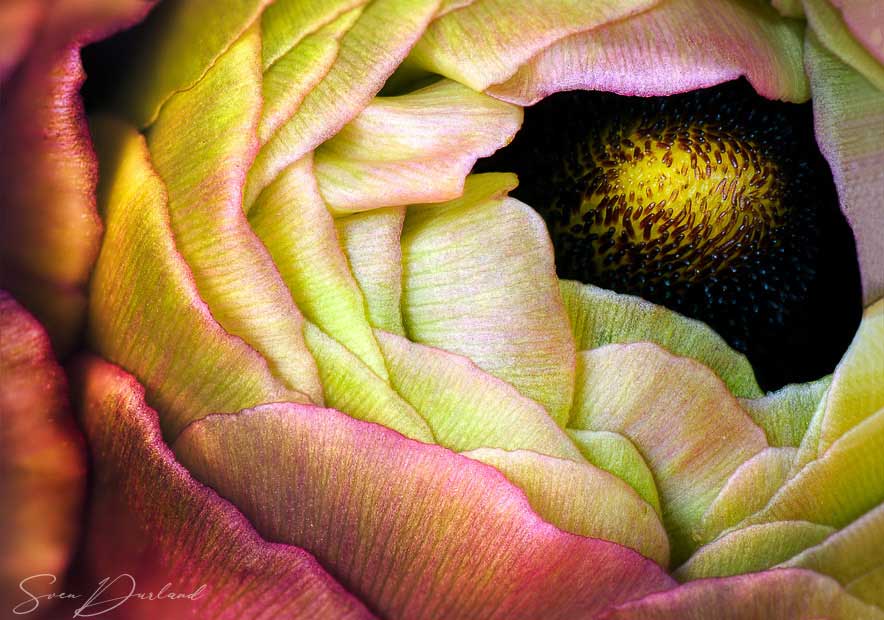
column 151, row 520
column 42, row 461
column 523, row 52
column 49, row 231
column 367, row 352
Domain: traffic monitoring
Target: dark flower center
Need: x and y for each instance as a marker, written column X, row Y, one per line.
column 715, row 203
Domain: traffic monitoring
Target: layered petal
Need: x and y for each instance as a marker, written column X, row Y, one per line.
column 150, row 518
column 145, row 312
column 760, row 596
column 479, row 281
column 691, row 431
column 599, row 317
column 42, row 459
column 415, row 530
column 849, row 125
column 677, row 46
column 412, row 148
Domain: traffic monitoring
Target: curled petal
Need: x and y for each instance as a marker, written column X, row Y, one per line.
column 42, row 458
column 415, row 530
column 848, row 117
column 678, row 46
column 413, row 148
column 150, row 518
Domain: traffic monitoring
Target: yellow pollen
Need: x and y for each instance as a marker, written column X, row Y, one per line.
column 689, row 196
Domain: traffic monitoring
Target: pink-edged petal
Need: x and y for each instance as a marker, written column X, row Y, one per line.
column 479, row 280
column 679, row 46
column 849, row 125
column 776, row 594
column 183, row 40
column 371, row 241
column 42, row 458
column 412, row 148
column 368, row 54
column 49, row 230
column 690, row 429
column 145, row 312
column 201, row 146
column 865, row 19
column 150, row 519
column 582, row 499
column 291, row 219
column 484, row 42
column 414, row 530
column 467, row 408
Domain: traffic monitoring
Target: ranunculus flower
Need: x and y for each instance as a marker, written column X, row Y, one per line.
column 324, row 371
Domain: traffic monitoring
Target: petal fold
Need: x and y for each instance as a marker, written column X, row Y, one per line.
column 414, row 530
column 149, row 517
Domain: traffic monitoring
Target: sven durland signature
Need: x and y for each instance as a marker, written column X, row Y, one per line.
column 109, row 595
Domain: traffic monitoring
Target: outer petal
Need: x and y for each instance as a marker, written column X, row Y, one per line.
column 678, row 46
column 761, row 596
column 18, row 24
column 148, row 517
column 849, row 124
column 866, row 22
column 479, row 281
column 415, row 530
column 42, row 459
column 49, row 230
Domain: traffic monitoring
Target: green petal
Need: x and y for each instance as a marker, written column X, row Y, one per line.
column 351, row 387
column 368, row 53
column 289, row 78
column 616, row 454
column 412, row 148
column 752, row 549
column 292, row 221
column 848, row 116
column 691, row 431
column 748, row 489
column 186, row 39
column 468, row 408
column 145, row 313
column 599, row 317
column 785, row 415
column 479, row 281
column 852, row 556
column 371, row 242
column 201, row 145
column 582, row 499
column 828, row 25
